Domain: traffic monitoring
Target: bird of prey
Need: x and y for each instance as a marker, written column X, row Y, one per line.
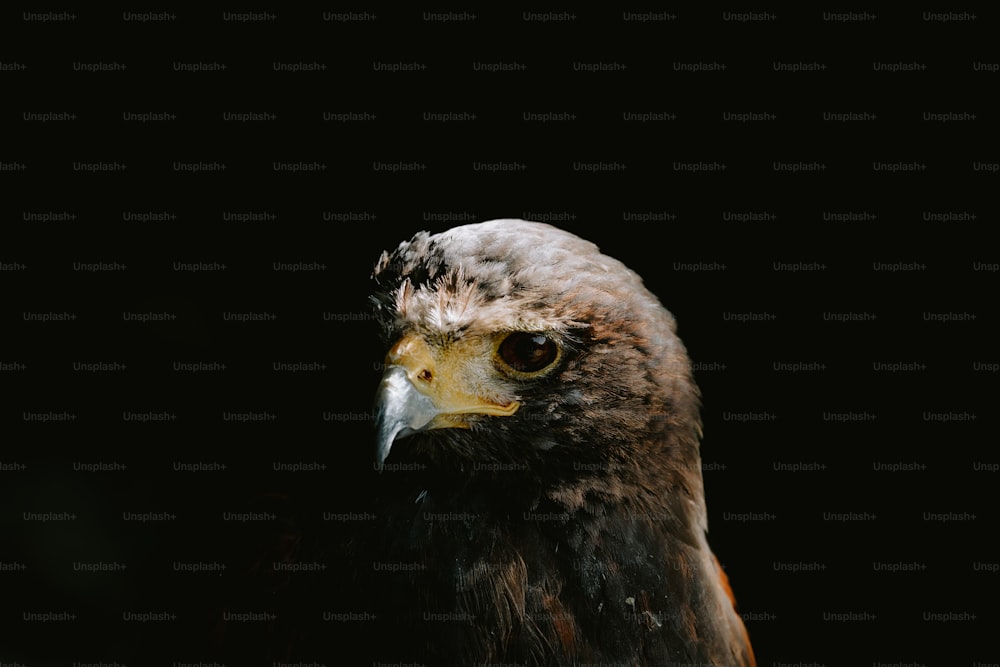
column 540, row 494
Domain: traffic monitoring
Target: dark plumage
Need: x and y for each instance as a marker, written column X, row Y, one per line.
column 541, row 498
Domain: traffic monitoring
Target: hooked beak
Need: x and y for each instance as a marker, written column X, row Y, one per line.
column 400, row 410
column 421, row 391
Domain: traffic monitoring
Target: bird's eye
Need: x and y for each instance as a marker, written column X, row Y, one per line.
column 527, row 353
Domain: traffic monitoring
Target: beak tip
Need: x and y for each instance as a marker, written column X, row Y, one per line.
column 381, row 454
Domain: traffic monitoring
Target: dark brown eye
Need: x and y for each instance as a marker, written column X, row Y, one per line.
column 527, row 352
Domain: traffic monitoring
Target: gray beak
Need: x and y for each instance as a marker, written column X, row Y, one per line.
column 400, row 410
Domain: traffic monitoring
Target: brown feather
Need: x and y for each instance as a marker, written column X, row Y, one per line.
column 605, row 449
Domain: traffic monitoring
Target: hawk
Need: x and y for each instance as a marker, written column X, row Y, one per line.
column 540, row 500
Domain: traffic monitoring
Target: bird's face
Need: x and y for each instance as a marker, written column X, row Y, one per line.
column 434, row 382
column 514, row 341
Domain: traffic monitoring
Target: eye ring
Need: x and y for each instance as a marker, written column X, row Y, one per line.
column 525, row 354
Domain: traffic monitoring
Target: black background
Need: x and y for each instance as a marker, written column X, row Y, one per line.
column 936, row 610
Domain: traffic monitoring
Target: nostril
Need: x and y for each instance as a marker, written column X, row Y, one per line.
column 426, row 375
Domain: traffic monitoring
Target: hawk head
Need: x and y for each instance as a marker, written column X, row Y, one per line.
column 517, row 346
